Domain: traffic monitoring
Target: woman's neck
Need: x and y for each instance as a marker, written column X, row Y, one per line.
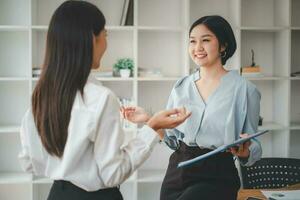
column 212, row 72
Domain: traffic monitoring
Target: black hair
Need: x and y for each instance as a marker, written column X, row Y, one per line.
column 67, row 65
column 222, row 30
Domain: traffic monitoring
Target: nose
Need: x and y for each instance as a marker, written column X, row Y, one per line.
column 199, row 47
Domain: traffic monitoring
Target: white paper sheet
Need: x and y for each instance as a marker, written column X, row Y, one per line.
column 282, row 195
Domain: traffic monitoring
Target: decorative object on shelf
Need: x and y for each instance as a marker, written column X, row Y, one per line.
column 153, row 73
column 124, row 66
column 253, row 70
column 127, row 13
column 260, row 121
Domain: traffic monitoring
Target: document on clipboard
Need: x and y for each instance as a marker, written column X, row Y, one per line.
column 220, row 149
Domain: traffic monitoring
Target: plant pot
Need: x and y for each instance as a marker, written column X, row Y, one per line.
column 125, row 73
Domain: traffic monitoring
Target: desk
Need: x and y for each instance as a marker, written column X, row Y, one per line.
column 244, row 193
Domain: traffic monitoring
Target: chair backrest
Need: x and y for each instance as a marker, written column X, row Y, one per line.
column 270, row 173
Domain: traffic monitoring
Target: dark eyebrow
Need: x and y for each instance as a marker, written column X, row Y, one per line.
column 206, row 35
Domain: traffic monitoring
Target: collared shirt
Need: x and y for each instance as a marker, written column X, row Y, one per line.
column 95, row 155
column 232, row 109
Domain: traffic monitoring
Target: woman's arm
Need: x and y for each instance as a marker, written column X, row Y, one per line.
column 117, row 161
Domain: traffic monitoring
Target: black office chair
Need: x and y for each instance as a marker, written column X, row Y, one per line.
column 270, row 173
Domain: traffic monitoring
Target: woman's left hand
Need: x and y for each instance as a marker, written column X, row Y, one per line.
column 242, row 150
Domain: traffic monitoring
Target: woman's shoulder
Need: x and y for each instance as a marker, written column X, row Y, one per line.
column 184, row 81
column 242, row 83
column 95, row 93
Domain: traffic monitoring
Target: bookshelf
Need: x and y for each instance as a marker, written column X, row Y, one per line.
column 158, row 39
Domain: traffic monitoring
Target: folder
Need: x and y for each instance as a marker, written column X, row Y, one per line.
column 220, row 149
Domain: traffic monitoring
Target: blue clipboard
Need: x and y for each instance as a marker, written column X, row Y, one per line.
column 220, row 149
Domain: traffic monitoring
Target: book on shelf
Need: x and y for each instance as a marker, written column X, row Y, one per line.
column 127, row 13
column 129, row 16
column 151, row 73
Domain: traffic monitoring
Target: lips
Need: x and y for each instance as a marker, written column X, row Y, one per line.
column 200, row 55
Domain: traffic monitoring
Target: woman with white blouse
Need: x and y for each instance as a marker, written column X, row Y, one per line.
column 225, row 107
column 72, row 132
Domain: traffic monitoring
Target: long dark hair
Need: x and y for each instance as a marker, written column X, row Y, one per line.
column 67, row 64
column 223, row 31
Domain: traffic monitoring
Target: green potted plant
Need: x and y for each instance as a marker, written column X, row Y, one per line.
column 124, row 66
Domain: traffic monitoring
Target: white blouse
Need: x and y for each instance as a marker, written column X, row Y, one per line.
column 95, row 155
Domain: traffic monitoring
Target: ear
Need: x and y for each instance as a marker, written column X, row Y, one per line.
column 223, row 48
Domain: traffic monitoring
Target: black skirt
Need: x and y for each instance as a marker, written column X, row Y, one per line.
column 215, row 178
column 66, row 190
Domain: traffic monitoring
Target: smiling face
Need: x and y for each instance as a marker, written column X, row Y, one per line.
column 204, row 47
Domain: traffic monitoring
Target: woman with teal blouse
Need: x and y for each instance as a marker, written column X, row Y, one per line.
column 224, row 107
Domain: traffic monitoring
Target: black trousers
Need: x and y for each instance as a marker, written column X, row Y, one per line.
column 215, row 178
column 64, row 190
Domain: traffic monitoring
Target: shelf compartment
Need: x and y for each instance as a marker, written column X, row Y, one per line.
column 295, row 99
column 14, row 102
column 269, row 51
column 42, row 11
column 153, row 13
column 275, row 143
column 119, row 45
column 39, row 38
column 161, row 51
column 267, row 13
column 14, row 57
column 295, row 49
column 274, row 104
column 112, row 10
column 14, row 12
column 228, row 9
column 10, row 146
column 15, row 191
column 294, row 144
column 295, row 15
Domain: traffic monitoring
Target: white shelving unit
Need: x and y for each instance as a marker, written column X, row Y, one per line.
column 158, row 39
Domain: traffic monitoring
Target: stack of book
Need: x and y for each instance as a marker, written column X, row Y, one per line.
column 103, row 72
column 36, row 71
column 251, row 71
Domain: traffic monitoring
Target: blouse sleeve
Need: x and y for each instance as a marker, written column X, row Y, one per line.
column 24, row 155
column 117, row 161
column 171, row 135
column 251, row 126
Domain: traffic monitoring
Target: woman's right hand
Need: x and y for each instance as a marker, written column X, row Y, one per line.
column 168, row 119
